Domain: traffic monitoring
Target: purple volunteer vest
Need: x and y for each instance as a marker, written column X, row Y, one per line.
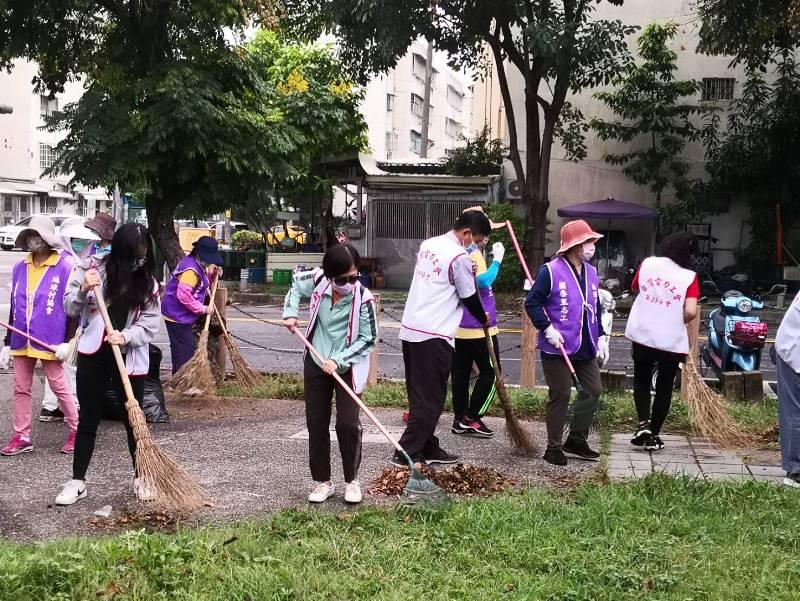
column 170, row 305
column 469, row 322
column 565, row 306
column 48, row 320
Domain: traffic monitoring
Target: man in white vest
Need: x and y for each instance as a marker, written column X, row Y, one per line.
column 443, row 284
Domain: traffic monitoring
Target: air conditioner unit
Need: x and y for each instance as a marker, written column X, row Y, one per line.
column 513, row 189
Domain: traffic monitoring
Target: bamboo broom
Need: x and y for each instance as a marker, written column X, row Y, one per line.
column 516, row 433
column 709, row 412
column 196, row 373
column 174, row 487
column 247, row 377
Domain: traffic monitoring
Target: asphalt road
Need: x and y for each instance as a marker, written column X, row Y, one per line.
column 271, row 348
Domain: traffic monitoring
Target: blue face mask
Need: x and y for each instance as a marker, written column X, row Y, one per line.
column 79, row 245
column 472, row 248
column 101, row 251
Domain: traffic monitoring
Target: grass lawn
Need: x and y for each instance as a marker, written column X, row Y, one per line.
column 658, row 538
column 616, row 414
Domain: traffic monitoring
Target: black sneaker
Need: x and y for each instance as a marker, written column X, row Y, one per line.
column 555, row 456
column 642, row 432
column 792, row 480
column 474, row 427
column 484, row 428
column 658, row 442
column 55, row 415
column 440, row 456
column 581, row 449
column 399, row 460
column 457, row 428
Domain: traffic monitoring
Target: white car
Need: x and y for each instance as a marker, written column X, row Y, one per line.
column 9, row 233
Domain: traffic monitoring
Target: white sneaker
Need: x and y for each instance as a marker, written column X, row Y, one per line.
column 72, row 491
column 321, row 493
column 352, row 492
column 143, row 492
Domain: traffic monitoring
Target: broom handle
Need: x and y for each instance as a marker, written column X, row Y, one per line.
column 211, row 302
column 527, row 271
column 28, row 336
column 350, row 392
column 123, row 371
column 519, row 251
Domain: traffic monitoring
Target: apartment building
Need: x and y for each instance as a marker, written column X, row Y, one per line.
column 27, row 149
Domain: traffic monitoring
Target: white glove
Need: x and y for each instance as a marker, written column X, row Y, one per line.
column 498, row 251
column 553, row 336
column 603, row 352
column 62, row 351
column 5, row 357
column 527, row 285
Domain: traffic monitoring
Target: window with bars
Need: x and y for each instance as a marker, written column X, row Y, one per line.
column 80, row 207
column 401, row 217
column 47, row 106
column 418, row 64
column 455, row 98
column 453, row 128
column 416, row 104
column 415, row 142
column 391, row 143
column 47, row 156
column 48, row 205
column 389, row 102
column 717, row 88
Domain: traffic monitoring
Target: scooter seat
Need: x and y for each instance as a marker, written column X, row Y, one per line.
column 732, row 294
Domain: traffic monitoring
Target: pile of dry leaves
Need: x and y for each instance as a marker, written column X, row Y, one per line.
column 466, row 480
column 126, row 520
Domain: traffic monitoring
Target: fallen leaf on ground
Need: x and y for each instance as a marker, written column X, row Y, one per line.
column 467, row 480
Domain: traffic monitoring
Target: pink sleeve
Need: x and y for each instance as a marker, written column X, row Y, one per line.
column 187, row 300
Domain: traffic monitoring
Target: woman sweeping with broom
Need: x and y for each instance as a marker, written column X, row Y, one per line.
column 184, row 295
column 667, row 300
column 125, row 279
column 343, row 328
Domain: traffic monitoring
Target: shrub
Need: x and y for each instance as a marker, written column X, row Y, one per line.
column 246, row 239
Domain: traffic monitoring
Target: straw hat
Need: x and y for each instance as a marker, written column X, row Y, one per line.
column 576, row 232
column 43, row 226
column 495, row 225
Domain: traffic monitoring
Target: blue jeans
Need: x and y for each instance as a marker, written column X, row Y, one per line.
column 789, row 416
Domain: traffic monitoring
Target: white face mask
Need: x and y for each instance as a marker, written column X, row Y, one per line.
column 344, row 290
column 588, row 251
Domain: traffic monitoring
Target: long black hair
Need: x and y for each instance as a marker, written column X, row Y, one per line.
column 125, row 283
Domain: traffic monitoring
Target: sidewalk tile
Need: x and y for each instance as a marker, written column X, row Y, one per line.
column 767, row 470
column 719, row 468
column 726, row 477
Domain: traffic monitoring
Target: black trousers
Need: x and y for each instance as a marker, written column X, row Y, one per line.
column 559, row 384
column 91, row 381
column 468, row 352
column 319, row 391
column 427, row 366
column 644, row 360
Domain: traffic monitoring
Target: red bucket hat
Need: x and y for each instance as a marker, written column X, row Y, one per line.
column 576, row 232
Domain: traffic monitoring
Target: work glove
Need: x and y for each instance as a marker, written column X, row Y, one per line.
column 527, row 285
column 5, row 357
column 553, row 336
column 62, row 351
column 603, row 352
column 498, row 251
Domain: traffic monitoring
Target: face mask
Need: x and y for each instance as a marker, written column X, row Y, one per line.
column 588, row 251
column 344, row 290
column 36, row 244
column 78, row 245
column 101, row 251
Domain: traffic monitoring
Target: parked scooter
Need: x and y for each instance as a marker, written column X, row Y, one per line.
column 736, row 335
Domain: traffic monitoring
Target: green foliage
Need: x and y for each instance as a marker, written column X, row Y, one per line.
column 703, row 541
column 755, row 156
column 653, row 119
column 752, row 32
column 246, row 239
column 554, row 46
column 480, row 155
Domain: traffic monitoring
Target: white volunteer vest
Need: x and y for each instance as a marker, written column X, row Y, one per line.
column 361, row 296
column 656, row 318
column 433, row 309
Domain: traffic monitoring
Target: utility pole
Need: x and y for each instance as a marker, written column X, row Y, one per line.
column 426, row 102
column 117, row 205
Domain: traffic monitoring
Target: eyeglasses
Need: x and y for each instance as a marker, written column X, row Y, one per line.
column 345, row 280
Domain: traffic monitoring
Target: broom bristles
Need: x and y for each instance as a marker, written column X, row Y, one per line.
column 247, row 377
column 709, row 412
column 514, row 430
column 196, row 372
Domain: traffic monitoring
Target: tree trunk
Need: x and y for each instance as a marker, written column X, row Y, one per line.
column 161, row 223
column 535, row 229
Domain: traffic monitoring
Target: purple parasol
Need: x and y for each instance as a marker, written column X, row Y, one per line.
column 610, row 208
